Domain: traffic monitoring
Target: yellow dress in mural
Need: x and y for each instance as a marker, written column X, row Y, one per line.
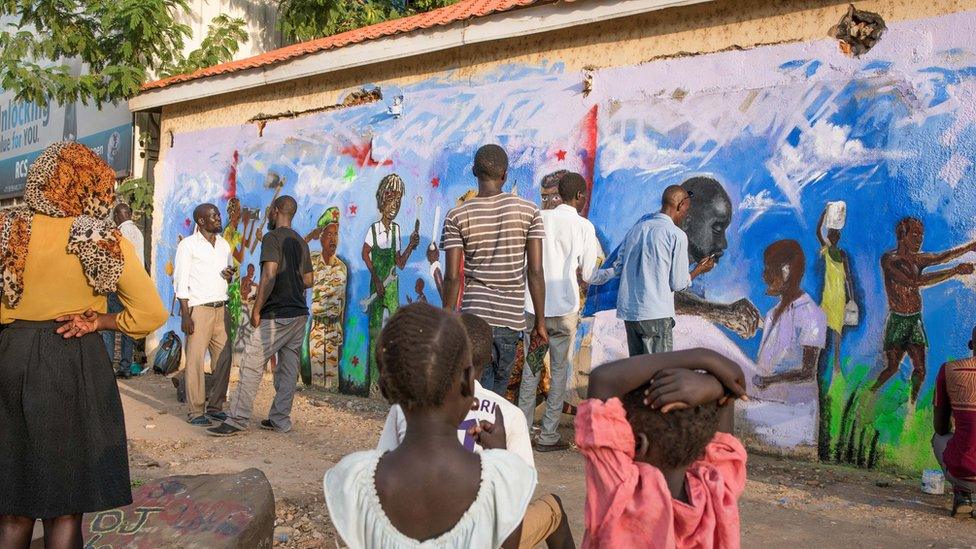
column 328, row 308
column 834, row 293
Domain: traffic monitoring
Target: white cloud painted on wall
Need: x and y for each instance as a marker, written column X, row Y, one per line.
column 821, row 148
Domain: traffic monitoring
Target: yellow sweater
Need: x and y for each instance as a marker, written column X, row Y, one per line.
column 55, row 285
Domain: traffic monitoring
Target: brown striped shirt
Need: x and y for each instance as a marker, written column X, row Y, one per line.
column 493, row 232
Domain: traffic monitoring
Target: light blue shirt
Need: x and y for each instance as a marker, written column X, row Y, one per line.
column 652, row 264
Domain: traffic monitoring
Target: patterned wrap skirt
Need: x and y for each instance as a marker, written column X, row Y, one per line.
column 62, row 433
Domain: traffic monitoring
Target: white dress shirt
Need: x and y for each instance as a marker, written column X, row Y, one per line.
column 570, row 244
column 196, row 275
column 134, row 236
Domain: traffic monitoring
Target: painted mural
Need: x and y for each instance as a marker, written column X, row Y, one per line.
column 838, row 195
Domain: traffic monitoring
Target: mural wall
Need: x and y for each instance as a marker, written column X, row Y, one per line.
column 837, row 194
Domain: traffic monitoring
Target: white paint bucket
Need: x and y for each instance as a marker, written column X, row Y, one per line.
column 836, row 216
column 933, row 481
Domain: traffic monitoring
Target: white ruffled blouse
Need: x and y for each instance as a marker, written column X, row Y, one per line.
column 507, row 485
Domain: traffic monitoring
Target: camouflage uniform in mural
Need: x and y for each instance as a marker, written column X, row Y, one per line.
column 323, row 342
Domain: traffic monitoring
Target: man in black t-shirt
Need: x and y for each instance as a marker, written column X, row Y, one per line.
column 278, row 317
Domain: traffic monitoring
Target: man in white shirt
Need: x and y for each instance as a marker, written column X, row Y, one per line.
column 203, row 267
column 122, row 216
column 569, row 247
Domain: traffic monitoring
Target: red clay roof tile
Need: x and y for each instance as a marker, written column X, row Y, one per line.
column 461, row 11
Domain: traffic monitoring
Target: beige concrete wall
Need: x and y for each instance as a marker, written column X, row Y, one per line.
column 701, row 28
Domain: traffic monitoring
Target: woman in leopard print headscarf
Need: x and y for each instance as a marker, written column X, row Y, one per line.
column 62, row 440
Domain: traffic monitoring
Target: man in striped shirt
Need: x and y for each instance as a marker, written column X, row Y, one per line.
column 499, row 236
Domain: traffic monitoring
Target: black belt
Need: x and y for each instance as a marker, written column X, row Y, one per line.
column 213, row 304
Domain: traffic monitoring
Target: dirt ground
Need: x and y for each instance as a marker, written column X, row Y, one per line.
column 786, row 504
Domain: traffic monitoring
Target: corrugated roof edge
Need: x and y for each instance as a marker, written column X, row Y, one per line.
column 461, row 11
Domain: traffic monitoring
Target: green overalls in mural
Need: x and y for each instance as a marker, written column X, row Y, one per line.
column 234, row 304
column 384, row 265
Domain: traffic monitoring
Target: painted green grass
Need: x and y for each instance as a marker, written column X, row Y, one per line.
column 877, row 430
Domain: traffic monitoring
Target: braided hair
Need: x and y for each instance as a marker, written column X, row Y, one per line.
column 421, row 351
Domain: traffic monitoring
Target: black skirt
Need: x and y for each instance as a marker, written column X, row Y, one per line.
column 62, row 434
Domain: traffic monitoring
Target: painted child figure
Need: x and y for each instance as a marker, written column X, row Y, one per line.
column 383, row 256
column 795, row 331
column 429, row 491
column 663, row 469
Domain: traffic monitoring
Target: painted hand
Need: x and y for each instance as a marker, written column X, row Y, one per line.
column 965, row 268
column 743, row 318
column 759, row 381
column 77, row 325
column 433, row 254
column 680, row 388
column 380, row 289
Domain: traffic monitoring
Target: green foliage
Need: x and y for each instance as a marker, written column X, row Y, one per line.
column 138, row 194
column 121, row 44
column 302, row 20
column 224, row 38
column 870, row 430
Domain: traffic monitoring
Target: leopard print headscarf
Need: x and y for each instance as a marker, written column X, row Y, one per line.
column 66, row 180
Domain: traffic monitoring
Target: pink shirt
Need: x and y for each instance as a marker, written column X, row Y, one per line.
column 628, row 503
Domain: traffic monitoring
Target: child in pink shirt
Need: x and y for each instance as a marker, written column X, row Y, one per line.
column 662, row 467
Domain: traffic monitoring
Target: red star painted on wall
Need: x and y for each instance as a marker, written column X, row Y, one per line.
column 561, row 155
column 352, row 209
column 355, row 361
column 435, row 182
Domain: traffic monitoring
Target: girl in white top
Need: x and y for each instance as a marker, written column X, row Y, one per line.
column 429, row 491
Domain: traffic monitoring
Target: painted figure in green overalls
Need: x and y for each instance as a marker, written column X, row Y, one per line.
column 383, row 256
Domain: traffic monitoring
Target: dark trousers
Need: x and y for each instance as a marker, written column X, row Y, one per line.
column 498, row 372
column 647, row 337
column 126, row 344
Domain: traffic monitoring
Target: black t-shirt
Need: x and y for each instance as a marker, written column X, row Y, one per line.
column 290, row 251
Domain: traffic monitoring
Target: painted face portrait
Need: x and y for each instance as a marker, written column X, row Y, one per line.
column 783, row 264
column 390, row 204
column 910, row 232
column 330, row 239
column 708, row 220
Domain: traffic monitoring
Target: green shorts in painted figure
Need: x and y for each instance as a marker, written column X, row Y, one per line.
column 383, row 256
column 904, row 331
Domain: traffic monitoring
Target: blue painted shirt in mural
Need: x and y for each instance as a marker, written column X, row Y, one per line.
column 652, row 264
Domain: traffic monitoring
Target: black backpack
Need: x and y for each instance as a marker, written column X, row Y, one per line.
column 167, row 359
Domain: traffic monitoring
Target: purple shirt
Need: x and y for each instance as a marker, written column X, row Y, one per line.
column 802, row 324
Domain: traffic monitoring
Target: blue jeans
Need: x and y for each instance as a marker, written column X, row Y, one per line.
column 499, row 370
column 647, row 337
column 127, row 344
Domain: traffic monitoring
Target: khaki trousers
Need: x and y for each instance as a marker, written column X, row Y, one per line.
column 210, row 328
